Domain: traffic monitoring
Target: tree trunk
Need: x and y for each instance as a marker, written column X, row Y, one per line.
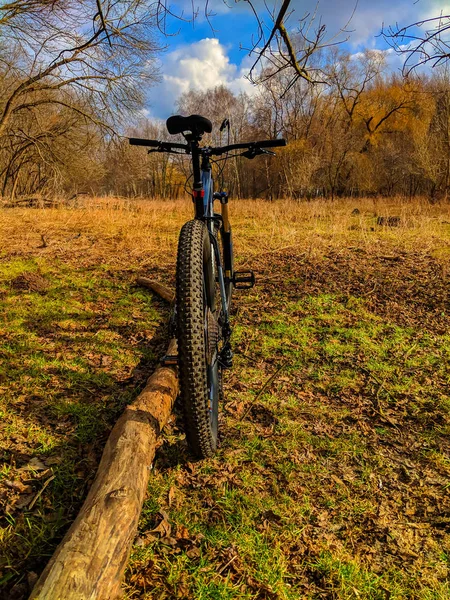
column 90, row 561
column 158, row 288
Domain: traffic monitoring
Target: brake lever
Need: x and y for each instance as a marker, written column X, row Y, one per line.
column 165, row 150
column 252, row 152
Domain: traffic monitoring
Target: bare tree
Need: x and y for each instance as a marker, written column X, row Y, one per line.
column 220, row 104
column 101, row 61
column 82, row 60
column 294, row 54
column 423, row 42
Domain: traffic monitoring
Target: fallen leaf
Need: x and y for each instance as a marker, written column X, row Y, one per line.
column 18, row 486
column 44, row 474
column 182, row 591
column 35, row 464
column 193, row 552
column 32, row 578
column 53, row 460
column 269, row 515
column 24, row 501
column 182, row 532
column 164, row 527
column 105, row 360
column 337, row 480
column 170, row 541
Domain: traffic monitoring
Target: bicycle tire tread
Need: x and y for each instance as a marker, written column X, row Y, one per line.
column 191, row 338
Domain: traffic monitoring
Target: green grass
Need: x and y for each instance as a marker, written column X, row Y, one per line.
column 331, row 480
column 66, row 370
column 304, row 492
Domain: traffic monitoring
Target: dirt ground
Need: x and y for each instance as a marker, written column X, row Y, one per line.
column 332, row 476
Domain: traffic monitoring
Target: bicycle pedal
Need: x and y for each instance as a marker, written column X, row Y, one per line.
column 169, row 360
column 243, row 280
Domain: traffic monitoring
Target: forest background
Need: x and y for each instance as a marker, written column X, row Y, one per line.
column 73, row 84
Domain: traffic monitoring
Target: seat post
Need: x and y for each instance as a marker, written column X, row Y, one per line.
column 192, row 128
column 197, row 187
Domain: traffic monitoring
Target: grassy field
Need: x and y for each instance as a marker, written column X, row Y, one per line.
column 332, row 480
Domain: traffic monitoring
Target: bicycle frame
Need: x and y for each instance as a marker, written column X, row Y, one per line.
column 192, row 128
column 203, row 196
column 202, row 192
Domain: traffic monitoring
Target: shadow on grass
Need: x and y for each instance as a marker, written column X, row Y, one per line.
column 70, row 361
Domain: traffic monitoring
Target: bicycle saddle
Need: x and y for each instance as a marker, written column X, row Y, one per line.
column 195, row 123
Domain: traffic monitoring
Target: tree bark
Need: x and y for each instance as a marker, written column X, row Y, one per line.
column 90, row 561
column 158, row 288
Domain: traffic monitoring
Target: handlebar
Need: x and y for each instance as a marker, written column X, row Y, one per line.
column 168, row 146
column 249, row 145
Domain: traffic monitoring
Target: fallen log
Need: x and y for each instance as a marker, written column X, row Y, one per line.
column 158, row 288
column 90, row 561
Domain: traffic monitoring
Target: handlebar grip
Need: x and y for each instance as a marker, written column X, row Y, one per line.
column 271, row 143
column 142, row 142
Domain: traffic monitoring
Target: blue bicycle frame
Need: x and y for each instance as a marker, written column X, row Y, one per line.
column 206, row 193
column 208, row 200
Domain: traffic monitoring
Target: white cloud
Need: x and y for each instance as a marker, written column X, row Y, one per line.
column 199, row 66
column 430, row 9
column 393, row 62
column 205, row 63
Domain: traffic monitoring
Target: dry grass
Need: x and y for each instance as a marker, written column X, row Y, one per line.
column 331, row 482
column 147, row 230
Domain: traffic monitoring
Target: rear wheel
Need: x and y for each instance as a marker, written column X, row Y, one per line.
column 198, row 338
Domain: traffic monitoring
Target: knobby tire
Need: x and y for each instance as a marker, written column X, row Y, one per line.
column 195, row 289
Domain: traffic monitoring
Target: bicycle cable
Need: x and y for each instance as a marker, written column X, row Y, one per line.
column 189, row 193
column 216, row 160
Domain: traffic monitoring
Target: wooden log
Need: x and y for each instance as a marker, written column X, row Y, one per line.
column 90, row 561
column 158, row 288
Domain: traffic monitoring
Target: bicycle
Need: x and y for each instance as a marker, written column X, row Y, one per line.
column 205, row 278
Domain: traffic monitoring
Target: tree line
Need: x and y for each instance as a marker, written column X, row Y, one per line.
column 71, row 81
column 366, row 131
column 71, row 71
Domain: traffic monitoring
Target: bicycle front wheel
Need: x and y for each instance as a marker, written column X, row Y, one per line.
column 198, row 337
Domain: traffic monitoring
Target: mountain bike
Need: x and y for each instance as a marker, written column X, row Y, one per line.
column 205, row 278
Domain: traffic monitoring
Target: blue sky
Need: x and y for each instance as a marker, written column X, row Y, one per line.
column 199, row 57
